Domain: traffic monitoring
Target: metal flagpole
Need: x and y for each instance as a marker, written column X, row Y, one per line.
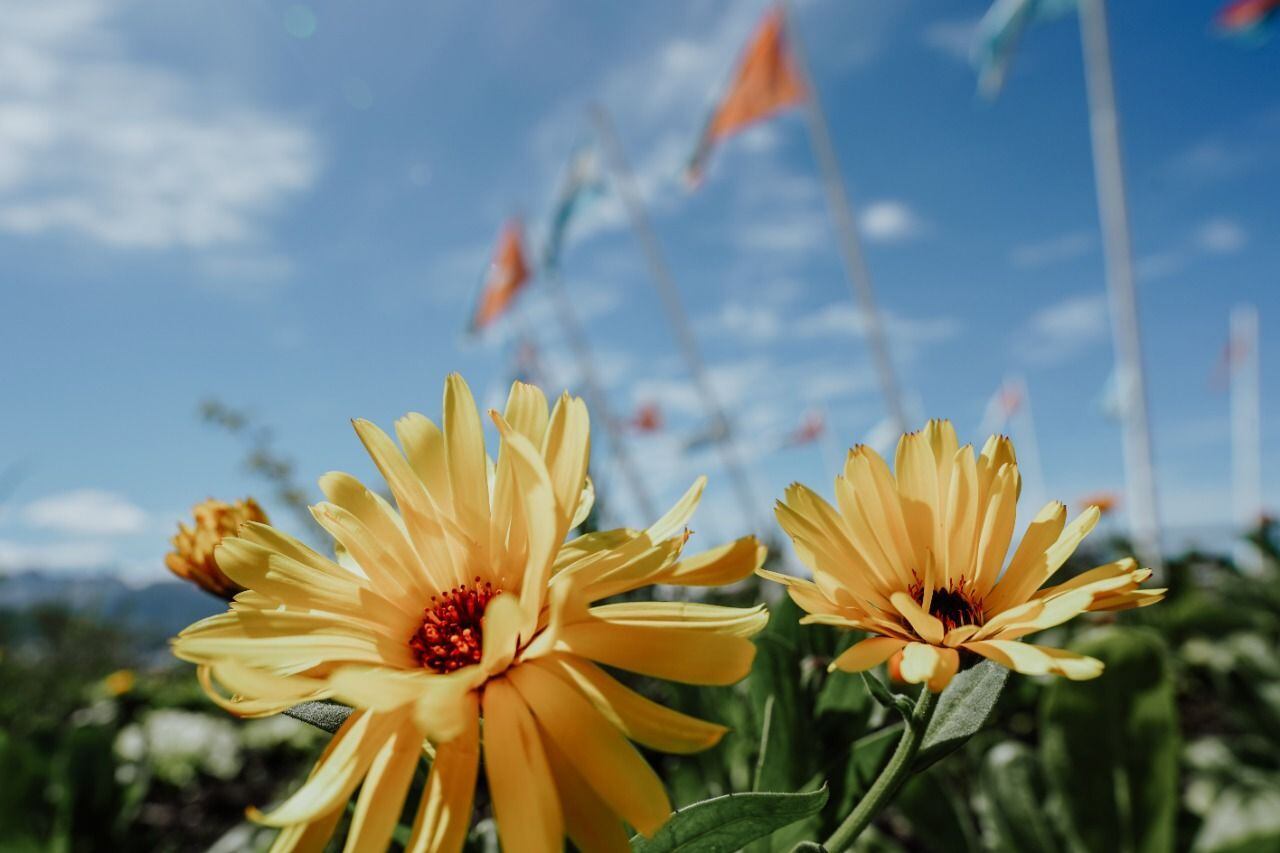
column 670, row 296
column 1140, row 485
column 581, row 346
column 846, row 227
column 1246, row 431
column 1028, row 446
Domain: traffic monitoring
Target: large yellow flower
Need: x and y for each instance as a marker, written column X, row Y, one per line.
column 916, row 560
column 467, row 605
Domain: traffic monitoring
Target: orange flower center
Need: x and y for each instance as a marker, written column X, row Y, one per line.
column 952, row 607
column 451, row 635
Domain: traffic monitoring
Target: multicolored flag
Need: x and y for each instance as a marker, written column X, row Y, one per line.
column 765, row 82
column 647, row 418
column 507, row 276
column 998, row 35
column 1246, row 17
column 812, row 428
column 583, row 181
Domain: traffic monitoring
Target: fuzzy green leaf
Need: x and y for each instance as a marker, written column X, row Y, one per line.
column 963, row 709
column 328, row 716
column 730, row 822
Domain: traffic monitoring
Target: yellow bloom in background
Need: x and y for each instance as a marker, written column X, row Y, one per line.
column 192, row 556
column 119, row 682
column 464, row 604
column 915, row 557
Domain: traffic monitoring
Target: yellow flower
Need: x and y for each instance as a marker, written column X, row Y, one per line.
column 915, row 559
column 119, row 682
column 192, row 556
column 468, row 605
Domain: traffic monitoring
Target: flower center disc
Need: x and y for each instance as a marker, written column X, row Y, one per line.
column 952, row 607
column 451, row 635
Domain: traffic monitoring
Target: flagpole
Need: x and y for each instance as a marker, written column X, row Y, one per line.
column 840, row 204
column 1140, row 484
column 624, row 179
column 1029, row 446
column 1246, row 431
column 573, row 332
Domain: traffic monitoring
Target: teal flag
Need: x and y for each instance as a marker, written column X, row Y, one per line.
column 999, row 32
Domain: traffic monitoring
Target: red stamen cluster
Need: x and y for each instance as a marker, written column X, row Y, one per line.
column 952, row 607
column 451, row 635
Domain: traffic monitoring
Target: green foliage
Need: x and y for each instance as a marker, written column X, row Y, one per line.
column 730, row 822
column 1110, row 745
column 963, row 709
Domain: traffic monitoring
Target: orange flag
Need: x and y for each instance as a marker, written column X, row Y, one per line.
column 508, row 274
column 766, row 81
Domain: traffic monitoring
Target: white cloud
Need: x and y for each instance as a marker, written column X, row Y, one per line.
column 751, row 322
column 70, row 556
column 796, row 233
column 1221, row 236
column 86, row 512
column 890, row 221
column 907, row 334
column 1065, row 328
column 952, row 38
column 1054, row 250
column 124, row 153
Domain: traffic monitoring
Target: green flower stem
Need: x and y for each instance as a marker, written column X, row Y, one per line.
column 891, row 779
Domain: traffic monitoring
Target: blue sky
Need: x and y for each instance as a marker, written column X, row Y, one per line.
column 289, row 206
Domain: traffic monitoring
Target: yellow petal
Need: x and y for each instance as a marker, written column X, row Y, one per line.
column 1028, row 574
column 444, row 815
column 920, row 662
column 926, row 625
column 437, row 703
column 691, row 615
column 381, row 565
column 380, row 519
column 678, row 516
column 1052, row 611
column 870, row 503
column 961, row 518
column 640, row 719
column 356, row 744
column 382, row 794
column 603, row 757
column 544, row 535
column 424, row 447
column 1125, row 569
column 676, row 654
column 863, row 574
column 527, row 411
column 1038, row 660
column 948, row 665
column 916, row 470
column 526, row 808
column 464, row 451
column 312, row 837
column 566, row 447
column 716, row 566
column 997, row 529
column 1029, row 559
column 589, row 821
column 865, row 654
column 501, row 625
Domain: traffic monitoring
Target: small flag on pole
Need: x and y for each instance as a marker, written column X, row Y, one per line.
column 812, row 428
column 1001, row 408
column 1246, row 17
column 999, row 32
column 508, row 274
column 647, row 418
column 765, row 82
column 583, row 181
column 1106, row 502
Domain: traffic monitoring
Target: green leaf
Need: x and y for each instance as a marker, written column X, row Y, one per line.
column 893, row 701
column 1110, row 745
column 323, row 715
column 868, row 757
column 730, row 822
column 1012, row 787
column 963, row 709
column 775, row 678
column 934, row 807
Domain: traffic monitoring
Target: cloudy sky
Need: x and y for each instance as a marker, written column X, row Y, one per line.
column 288, row 207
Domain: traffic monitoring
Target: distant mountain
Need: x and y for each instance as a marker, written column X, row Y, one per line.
column 156, row 611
